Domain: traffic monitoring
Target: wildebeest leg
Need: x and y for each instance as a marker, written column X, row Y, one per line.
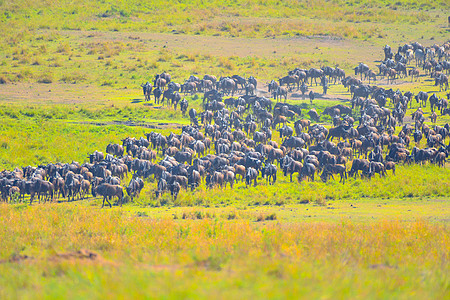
column 106, row 197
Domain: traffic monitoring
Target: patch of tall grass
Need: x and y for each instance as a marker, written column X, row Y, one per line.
column 224, row 257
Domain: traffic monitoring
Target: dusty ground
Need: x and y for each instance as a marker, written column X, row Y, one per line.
column 227, row 46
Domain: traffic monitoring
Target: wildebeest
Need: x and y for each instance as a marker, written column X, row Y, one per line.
column 134, row 187
column 115, row 149
column 147, row 89
column 361, row 69
column 290, row 79
column 329, row 170
column 251, row 175
column 442, row 81
column 108, row 191
column 269, row 171
column 311, row 97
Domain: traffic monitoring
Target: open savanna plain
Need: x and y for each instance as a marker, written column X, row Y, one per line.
column 71, row 74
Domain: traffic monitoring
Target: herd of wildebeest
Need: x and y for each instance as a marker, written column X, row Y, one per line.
column 231, row 140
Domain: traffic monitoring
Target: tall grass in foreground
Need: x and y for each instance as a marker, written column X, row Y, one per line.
column 210, row 257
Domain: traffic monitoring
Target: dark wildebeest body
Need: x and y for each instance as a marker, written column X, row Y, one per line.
column 108, row 191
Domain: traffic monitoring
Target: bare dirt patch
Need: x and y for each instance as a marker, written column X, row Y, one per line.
column 82, row 255
column 55, row 93
column 236, row 46
column 135, row 124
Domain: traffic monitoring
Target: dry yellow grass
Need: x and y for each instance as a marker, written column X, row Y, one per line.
column 214, row 255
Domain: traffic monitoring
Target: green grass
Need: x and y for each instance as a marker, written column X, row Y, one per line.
column 148, row 257
column 354, row 19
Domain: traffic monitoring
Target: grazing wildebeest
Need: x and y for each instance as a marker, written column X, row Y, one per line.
column 376, row 167
column 290, row 79
column 390, row 165
column 286, row 131
column 359, row 165
column 239, row 81
column 329, row 170
column 312, row 113
column 115, row 149
column 308, row 170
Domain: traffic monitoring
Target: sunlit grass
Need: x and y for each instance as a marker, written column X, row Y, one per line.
column 214, row 255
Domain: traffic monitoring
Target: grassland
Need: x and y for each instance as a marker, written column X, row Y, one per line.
column 217, row 257
column 71, row 72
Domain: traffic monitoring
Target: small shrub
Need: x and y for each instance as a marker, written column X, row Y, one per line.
column 261, row 217
column 232, row 216
column 45, row 78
